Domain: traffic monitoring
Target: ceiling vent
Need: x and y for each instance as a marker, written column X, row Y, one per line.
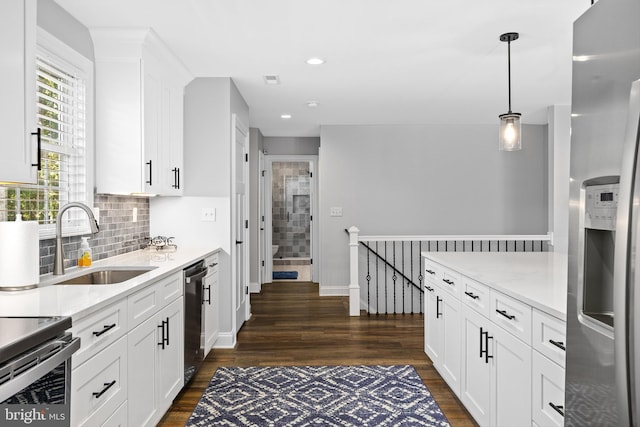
column 271, row 80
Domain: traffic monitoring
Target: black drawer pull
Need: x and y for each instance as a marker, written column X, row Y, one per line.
column 105, row 329
column 429, row 288
column 448, row 282
column 558, row 408
column 471, row 295
column 504, row 313
column 430, row 271
column 558, row 344
column 107, row 386
column 213, row 265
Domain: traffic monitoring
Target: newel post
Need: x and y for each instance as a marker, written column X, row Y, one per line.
column 354, row 286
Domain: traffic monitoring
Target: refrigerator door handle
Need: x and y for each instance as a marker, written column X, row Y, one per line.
column 626, row 279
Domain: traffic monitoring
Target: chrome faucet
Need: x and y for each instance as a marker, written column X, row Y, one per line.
column 58, row 259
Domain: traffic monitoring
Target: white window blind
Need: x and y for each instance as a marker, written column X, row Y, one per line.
column 61, row 100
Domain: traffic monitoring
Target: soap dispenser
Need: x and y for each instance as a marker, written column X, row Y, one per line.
column 84, row 260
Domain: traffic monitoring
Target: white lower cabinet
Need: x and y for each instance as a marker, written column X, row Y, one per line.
column 548, row 392
column 155, row 364
column 442, row 334
column 130, row 365
column 99, row 386
column 496, row 373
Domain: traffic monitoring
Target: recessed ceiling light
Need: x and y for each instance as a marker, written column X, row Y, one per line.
column 285, row 116
column 315, row 61
column 271, row 79
column 312, row 104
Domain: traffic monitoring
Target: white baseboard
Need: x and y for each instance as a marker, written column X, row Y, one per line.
column 334, row 291
column 225, row 340
column 255, row 287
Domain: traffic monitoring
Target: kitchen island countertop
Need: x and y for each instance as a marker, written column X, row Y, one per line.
column 536, row 278
column 79, row 301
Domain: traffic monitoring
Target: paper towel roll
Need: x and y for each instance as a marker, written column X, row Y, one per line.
column 19, row 254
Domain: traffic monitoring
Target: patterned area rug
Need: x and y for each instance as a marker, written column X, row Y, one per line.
column 317, row 395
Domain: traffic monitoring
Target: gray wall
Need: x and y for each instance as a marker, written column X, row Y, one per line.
column 291, row 145
column 426, row 179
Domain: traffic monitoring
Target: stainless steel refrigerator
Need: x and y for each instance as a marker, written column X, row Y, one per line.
column 601, row 371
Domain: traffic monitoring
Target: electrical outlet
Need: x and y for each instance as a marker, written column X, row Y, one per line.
column 208, row 214
column 335, row 211
column 134, row 215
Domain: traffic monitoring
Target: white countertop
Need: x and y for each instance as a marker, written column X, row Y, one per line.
column 81, row 300
column 536, row 278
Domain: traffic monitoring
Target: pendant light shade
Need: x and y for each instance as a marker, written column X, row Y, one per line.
column 510, row 129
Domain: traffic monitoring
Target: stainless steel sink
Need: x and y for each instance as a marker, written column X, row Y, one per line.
column 106, row 276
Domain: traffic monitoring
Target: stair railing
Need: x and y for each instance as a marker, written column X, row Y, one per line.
column 393, row 279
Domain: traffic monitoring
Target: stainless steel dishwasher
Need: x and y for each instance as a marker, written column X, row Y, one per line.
column 193, row 319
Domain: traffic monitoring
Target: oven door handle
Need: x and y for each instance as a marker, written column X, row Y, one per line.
column 33, row 374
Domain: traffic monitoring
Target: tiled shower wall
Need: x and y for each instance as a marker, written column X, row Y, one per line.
column 118, row 233
column 291, row 209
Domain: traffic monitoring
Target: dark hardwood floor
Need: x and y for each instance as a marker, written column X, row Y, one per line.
column 292, row 325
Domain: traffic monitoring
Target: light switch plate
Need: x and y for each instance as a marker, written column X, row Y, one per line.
column 208, row 214
column 335, row 211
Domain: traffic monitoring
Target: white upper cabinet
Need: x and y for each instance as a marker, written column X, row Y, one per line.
column 19, row 143
column 139, row 104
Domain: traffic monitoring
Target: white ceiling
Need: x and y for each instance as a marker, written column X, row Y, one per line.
column 387, row 61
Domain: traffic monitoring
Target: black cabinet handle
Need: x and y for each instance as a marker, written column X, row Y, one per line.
column 430, row 271
column 213, row 265
column 429, row 288
column 107, row 386
column 438, row 314
column 165, row 333
column 176, row 178
column 558, row 344
column 238, row 242
column 486, row 345
column 208, row 300
column 504, row 313
column 471, row 295
column 558, row 408
column 39, row 154
column 150, row 182
column 105, row 329
column 448, row 282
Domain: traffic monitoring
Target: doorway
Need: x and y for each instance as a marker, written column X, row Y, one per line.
column 291, row 201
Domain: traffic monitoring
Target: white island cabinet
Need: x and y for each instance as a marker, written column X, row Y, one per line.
column 139, row 113
column 17, row 110
column 511, row 333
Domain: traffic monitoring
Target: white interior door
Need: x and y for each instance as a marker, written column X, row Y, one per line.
column 262, row 244
column 240, row 143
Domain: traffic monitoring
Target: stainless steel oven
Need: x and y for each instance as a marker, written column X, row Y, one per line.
column 35, row 370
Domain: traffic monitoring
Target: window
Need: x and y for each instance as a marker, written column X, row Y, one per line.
column 63, row 108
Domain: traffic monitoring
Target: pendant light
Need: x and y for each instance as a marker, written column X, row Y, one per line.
column 510, row 128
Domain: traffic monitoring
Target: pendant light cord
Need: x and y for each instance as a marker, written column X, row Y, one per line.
column 509, row 71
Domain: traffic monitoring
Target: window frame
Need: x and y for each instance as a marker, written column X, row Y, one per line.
column 49, row 47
